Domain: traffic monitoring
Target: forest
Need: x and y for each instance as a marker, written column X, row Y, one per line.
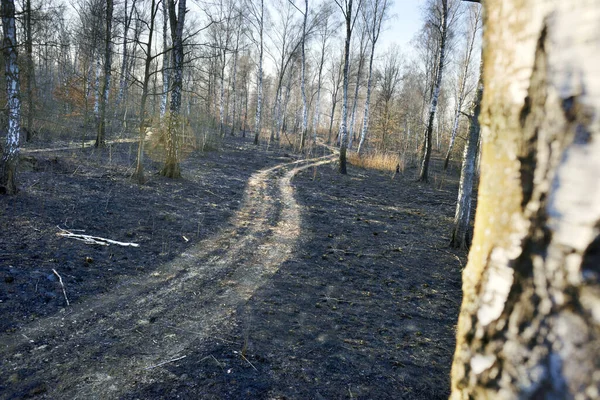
column 270, row 199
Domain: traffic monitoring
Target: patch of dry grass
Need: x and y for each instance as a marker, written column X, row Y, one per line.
column 381, row 161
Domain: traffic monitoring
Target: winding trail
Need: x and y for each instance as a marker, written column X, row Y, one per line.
column 106, row 346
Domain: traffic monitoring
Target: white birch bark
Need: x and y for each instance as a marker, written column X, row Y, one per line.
column 10, row 157
column 529, row 325
column 374, row 17
column 424, row 173
column 475, row 23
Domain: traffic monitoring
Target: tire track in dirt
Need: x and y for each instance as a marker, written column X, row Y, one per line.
column 106, row 346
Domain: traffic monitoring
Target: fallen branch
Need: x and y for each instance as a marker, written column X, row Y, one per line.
column 87, row 239
column 61, row 285
column 165, row 362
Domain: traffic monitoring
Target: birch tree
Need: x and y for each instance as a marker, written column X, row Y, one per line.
column 462, row 217
column 107, row 73
column 256, row 18
column 362, row 48
column 324, row 34
column 149, row 58
column 171, row 168
column 350, row 20
column 29, row 69
column 165, row 59
column 438, row 22
column 303, row 79
column 10, row 157
column 374, row 14
column 474, row 24
column 529, row 325
column 336, row 76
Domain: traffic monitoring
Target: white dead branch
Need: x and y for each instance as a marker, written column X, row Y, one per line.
column 62, row 285
column 87, row 239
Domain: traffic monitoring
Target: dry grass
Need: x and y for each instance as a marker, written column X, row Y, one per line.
column 378, row 160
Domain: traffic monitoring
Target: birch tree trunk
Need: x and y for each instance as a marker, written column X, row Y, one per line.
column 424, row 174
column 475, row 21
column 234, row 78
column 30, row 70
column 125, row 49
column 361, row 60
column 107, row 72
column 303, row 81
column 139, row 170
column 10, row 158
column 171, row 168
column 365, row 127
column 343, row 127
column 259, row 76
column 529, row 325
column 317, row 112
column 165, row 60
column 462, row 217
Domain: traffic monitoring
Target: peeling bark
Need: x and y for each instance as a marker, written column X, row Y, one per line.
column 529, row 325
column 10, row 158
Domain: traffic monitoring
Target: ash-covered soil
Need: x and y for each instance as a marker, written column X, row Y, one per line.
column 363, row 305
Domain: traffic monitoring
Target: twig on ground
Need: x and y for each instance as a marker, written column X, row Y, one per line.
column 87, row 239
column 245, row 359
column 62, row 285
column 165, row 362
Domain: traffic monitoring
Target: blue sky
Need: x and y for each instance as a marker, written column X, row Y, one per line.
column 404, row 24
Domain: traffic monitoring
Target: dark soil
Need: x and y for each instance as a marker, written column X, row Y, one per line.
column 364, row 307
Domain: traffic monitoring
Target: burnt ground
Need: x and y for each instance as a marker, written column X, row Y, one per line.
column 258, row 276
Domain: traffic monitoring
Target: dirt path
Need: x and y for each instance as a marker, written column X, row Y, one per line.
column 105, row 346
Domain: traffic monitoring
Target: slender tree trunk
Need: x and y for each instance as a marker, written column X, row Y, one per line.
column 529, row 325
column 462, row 217
column 361, row 58
column 30, row 71
column 107, row 72
column 139, row 170
column 10, row 157
column 343, row 127
column 317, row 113
column 461, row 90
column 365, row 127
column 127, row 13
column 424, row 174
column 165, row 59
column 234, row 81
column 171, row 168
column 303, row 81
column 259, row 77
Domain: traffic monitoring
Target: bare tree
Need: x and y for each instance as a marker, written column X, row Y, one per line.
column 336, row 74
column 362, row 48
column 139, row 170
column 350, row 20
column 374, row 13
column 474, row 25
column 324, row 34
column 529, row 324
column 165, row 59
column 10, row 158
column 107, row 73
column 462, row 218
column 171, row 168
column 256, row 18
column 438, row 22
